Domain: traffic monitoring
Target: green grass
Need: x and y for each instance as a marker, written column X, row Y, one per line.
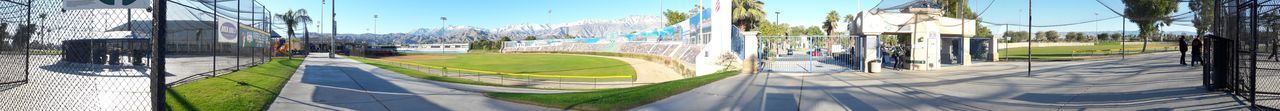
column 1064, row 53
column 45, row 52
column 416, row 73
column 535, row 64
column 613, row 99
column 245, row 90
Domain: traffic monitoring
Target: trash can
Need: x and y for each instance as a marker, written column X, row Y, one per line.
column 873, row 66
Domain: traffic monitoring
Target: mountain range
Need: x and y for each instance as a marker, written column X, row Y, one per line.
column 466, row 34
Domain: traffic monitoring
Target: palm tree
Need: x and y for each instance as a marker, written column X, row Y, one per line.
column 850, row 19
column 830, row 25
column 747, row 13
column 291, row 20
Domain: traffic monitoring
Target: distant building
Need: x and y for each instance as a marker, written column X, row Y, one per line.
column 928, row 40
column 435, row 48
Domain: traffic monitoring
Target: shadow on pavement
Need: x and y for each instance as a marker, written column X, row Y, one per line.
column 1112, row 97
column 358, row 89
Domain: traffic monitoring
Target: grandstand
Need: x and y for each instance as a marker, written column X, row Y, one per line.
column 694, row 43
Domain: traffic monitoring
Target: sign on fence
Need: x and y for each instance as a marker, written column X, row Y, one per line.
column 104, row 4
column 227, row 30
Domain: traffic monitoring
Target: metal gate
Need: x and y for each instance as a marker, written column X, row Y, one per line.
column 811, row 54
column 1241, row 60
column 13, row 54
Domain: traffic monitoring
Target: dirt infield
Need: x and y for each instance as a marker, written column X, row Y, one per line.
column 416, row 57
column 646, row 71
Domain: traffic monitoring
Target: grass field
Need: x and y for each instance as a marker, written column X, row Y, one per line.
column 533, row 64
column 245, row 90
column 613, row 99
column 1065, row 53
column 418, row 74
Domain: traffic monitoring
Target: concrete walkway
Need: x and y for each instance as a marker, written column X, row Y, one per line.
column 1143, row 82
column 322, row 83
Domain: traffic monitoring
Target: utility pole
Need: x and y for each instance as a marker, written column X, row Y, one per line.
column 1029, row 40
column 333, row 39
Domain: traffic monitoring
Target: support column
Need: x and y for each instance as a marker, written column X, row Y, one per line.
column 752, row 50
column 871, row 51
column 965, row 57
column 995, row 49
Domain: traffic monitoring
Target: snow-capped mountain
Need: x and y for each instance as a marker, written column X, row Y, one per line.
column 463, row 34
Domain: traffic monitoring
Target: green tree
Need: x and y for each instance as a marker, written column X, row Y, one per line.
column 292, row 18
column 530, row 38
column 772, row 29
column 4, row 46
column 23, row 35
column 674, row 17
column 850, row 19
column 960, row 9
column 1146, row 13
column 505, row 38
column 1016, row 36
column 1052, row 35
column 1204, row 18
column 829, row 25
column 747, row 14
column 1103, row 37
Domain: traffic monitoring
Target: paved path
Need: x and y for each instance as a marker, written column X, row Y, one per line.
column 344, row 84
column 1144, row 82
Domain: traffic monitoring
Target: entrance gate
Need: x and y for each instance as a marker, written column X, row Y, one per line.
column 811, row 54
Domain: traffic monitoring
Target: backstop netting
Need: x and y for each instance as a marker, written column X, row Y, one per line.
column 99, row 59
column 683, row 42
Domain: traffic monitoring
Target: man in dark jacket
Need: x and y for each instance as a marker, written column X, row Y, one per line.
column 1195, row 51
column 1182, row 50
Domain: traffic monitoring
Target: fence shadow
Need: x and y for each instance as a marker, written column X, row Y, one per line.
column 344, row 86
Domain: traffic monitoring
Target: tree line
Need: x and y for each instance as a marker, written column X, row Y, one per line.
column 1055, row 36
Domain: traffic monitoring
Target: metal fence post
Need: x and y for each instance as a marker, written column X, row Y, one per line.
column 157, row 50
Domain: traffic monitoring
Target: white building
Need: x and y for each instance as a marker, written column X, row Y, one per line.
column 928, row 37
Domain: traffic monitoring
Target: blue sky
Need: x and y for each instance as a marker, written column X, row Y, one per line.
column 356, row 16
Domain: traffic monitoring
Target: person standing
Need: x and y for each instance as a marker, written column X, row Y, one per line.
column 1195, row 50
column 1182, row 50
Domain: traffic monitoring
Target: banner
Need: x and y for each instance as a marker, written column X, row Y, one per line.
column 227, row 30
column 104, row 4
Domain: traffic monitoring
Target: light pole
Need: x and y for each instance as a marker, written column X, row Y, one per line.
column 333, row 47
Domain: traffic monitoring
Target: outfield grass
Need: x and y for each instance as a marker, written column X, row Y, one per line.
column 613, row 99
column 245, row 90
column 534, row 64
column 1065, row 53
column 418, row 74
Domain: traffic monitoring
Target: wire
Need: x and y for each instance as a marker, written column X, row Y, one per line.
column 1054, row 25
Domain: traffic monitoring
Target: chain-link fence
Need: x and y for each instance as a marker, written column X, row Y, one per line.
column 52, row 58
column 1242, row 60
column 211, row 37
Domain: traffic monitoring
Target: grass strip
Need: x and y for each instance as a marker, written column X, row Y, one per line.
column 245, row 90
